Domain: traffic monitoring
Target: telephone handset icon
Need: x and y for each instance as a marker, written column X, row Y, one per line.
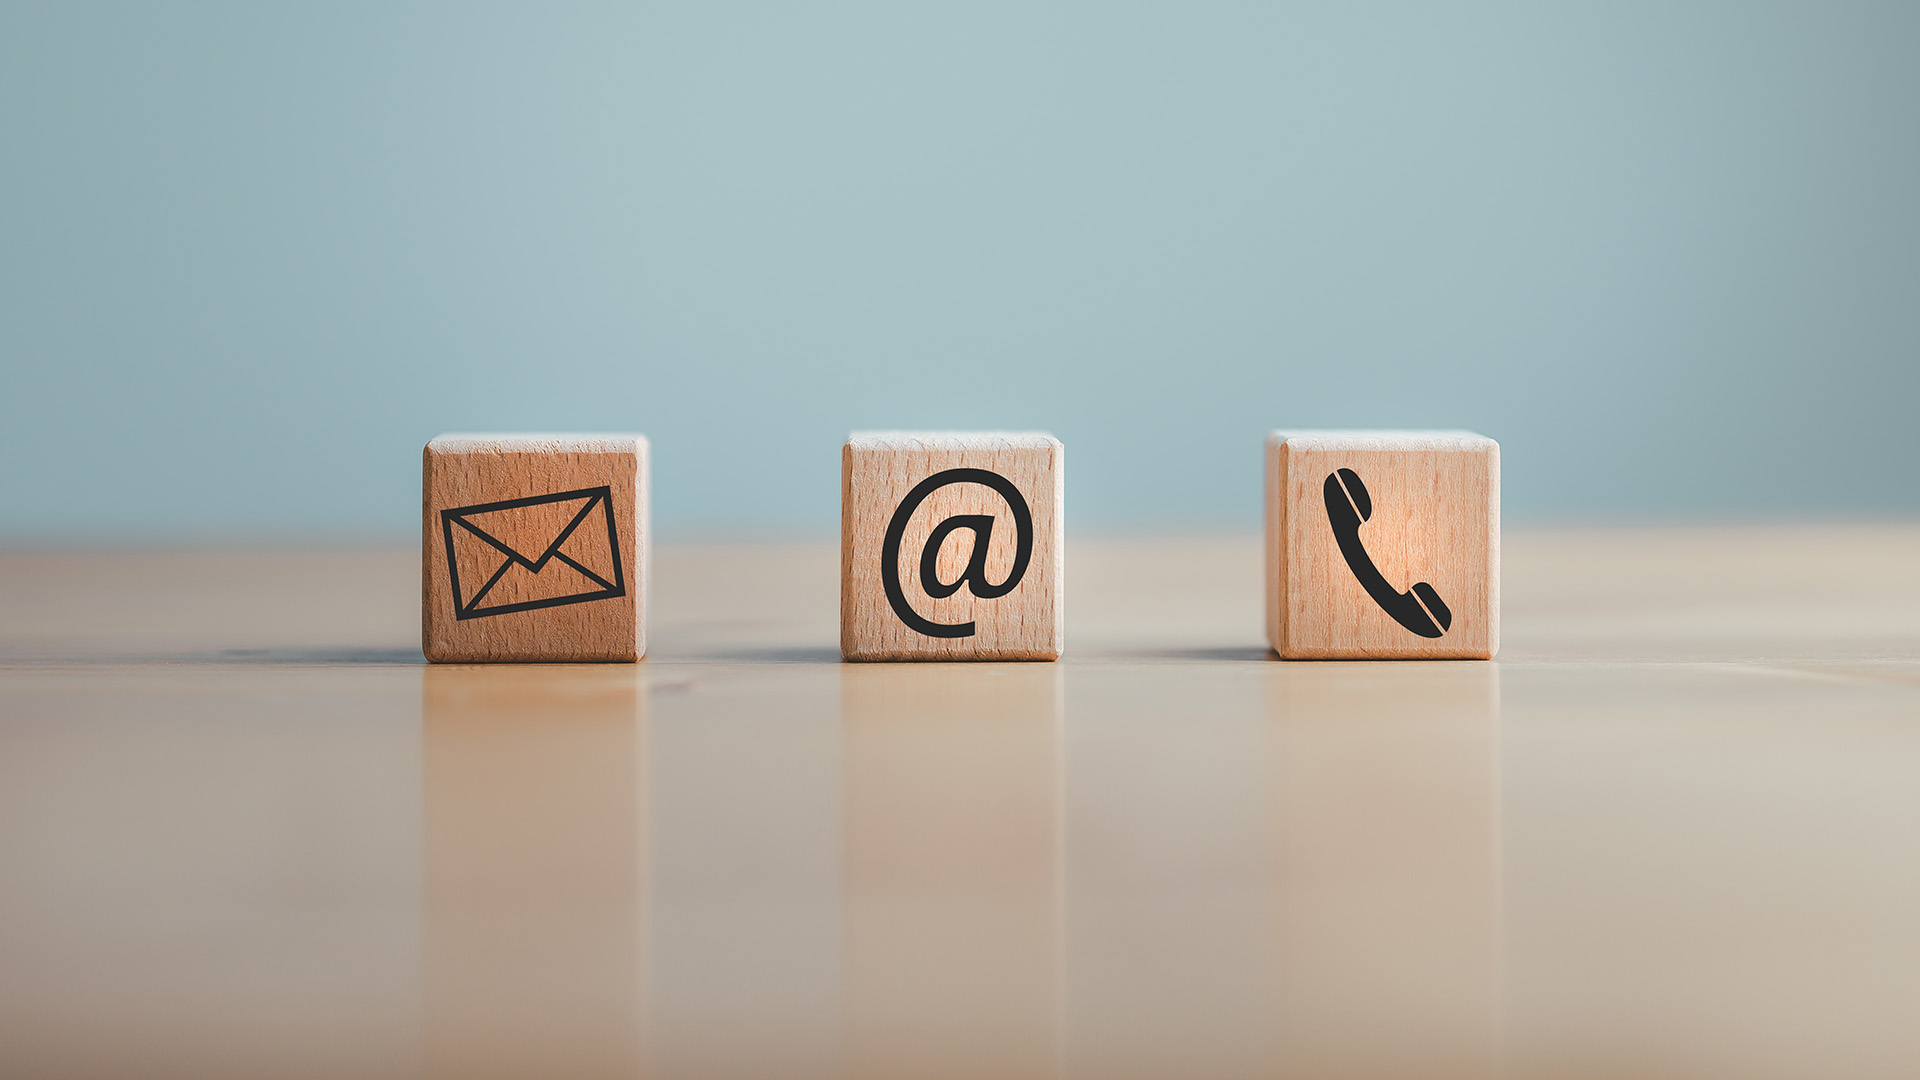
column 1419, row 609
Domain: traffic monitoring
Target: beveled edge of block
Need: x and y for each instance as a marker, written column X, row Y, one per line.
column 463, row 656
column 1045, row 655
column 537, row 443
column 1297, row 652
column 952, row 440
column 1335, row 439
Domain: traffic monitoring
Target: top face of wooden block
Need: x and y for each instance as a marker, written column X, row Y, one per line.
column 1425, row 441
column 909, row 441
column 533, row 548
column 535, row 443
column 950, row 546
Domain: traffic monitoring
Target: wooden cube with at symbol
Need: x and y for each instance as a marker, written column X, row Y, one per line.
column 534, row 548
column 950, row 546
column 1383, row 545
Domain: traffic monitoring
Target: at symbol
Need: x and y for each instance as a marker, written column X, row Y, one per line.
column 975, row 576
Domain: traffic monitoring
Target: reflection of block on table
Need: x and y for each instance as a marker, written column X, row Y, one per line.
column 533, row 872
column 1386, row 788
column 952, row 912
column 950, row 546
column 1383, row 545
column 533, row 548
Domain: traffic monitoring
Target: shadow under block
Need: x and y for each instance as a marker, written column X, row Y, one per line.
column 1383, row 545
column 950, row 546
column 533, row 548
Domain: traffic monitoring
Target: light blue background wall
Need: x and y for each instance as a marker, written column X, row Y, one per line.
column 252, row 257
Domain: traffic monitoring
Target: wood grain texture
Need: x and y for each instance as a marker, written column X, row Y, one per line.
column 879, row 472
column 1434, row 517
column 509, row 572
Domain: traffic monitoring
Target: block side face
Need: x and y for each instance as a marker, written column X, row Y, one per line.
column 534, row 555
column 430, row 459
column 1017, row 619
column 641, row 580
column 1058, row 547
column 849, row 639
column 1430, row 516
column 1274, row 535
column 1492, row 453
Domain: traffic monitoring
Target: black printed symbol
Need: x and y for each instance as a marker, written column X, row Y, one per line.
column 1346, row 508
column 975, row 575
column 571, row 568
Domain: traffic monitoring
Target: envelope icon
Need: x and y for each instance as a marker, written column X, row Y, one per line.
column 538, row 552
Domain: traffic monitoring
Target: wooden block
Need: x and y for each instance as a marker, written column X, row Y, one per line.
column 533, row 548
column 1383, row 545
column 950, row 546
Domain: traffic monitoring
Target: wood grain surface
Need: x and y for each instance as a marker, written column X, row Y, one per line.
column 1430, row 507
column 555, row 579
column 880, row 471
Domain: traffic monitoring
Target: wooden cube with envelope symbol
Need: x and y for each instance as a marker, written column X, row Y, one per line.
column 1383, row 545
column 533, row 548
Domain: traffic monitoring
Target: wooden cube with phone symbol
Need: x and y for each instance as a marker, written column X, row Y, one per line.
column 1383, row 545
column 534, row 548
column 950, row 546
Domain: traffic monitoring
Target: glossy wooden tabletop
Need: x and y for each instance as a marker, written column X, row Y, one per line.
column 1674, row 831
